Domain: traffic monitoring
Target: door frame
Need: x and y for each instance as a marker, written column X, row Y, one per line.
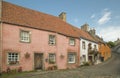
column 42, row 61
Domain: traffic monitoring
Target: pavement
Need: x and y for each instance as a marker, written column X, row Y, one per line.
column 107, row 69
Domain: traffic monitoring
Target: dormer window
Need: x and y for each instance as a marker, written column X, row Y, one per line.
column 72, row 41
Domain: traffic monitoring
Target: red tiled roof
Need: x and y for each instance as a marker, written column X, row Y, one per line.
column 18, row 15
column 98, row 39
column 84, row 34
column 30, row 18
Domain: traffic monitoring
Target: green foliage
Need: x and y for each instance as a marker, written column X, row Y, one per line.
column 14, row 74
column 111, row 44
column 85, row 64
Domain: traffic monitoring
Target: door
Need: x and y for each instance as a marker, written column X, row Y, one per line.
column 84, row 58
column 38, row 60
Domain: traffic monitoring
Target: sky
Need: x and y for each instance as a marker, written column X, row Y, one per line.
column 103, row 15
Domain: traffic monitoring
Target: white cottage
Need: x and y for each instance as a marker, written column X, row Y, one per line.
column 88, row 46
column 85, row 56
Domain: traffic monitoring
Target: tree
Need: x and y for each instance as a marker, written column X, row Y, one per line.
column 111, row 44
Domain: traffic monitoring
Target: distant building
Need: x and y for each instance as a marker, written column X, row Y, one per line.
column 117, row 41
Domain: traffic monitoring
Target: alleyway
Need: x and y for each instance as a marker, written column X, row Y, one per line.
column 108, row 69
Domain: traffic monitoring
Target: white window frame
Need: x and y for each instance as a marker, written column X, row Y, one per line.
column 52, row 58
column 72, row 41
column 71, row 56
column 83, row 45
column 95, row 47
column 12, row 57
column 84, row 58
column 52, row 39
column 24, row 36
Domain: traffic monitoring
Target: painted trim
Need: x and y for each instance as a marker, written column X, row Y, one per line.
column 75, row 57
column 20, row 35
column 89, row 40
column 7, row 58
column 74, row 41
column 49, row 40
column 49, row 58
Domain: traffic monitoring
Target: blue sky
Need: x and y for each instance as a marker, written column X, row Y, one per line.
column 103, row 15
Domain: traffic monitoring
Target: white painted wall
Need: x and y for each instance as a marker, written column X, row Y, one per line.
column 85, row 51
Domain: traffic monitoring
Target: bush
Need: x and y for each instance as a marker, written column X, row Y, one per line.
column 86, row 64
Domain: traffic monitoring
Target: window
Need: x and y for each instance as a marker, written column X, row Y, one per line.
column 72, row 41
column 52, row 58
column 84, row 58
column 25, row 36
column 71, row 57
column 95, row 47
column 52, row 39
column 89, row 46
column 13, row 58
column 83, row 45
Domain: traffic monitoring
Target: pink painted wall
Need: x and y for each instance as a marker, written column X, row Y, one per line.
column 39, row 44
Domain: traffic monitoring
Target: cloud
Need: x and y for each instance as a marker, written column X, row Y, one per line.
column 105, row 18
column 110, row 33
column 92, row 16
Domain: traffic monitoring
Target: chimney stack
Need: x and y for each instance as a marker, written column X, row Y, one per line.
column 63, row 16
column 85, row 27
column 92, row 31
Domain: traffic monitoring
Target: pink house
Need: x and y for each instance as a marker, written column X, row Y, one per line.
column 34, row 40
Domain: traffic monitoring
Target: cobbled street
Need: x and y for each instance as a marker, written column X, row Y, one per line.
column 108, row 69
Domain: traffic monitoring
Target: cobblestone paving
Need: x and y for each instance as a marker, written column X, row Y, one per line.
column 108, row 69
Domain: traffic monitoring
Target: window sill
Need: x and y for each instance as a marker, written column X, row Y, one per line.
column 52, row 44
column 52, row 62
column 72, row 45
column 71, row 62
column 25, row 42
column 13, row 64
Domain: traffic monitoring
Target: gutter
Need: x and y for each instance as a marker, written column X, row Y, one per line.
column 89, row 40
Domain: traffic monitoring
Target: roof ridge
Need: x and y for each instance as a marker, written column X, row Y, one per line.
column 83, row 33
column 29, row 9
column 17, row 15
